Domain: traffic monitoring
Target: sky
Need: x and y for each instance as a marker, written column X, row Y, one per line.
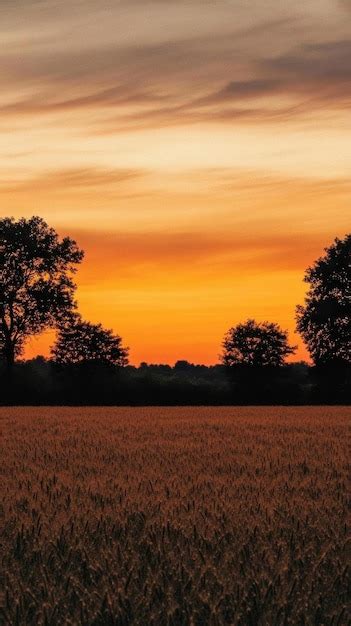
column 199, row 151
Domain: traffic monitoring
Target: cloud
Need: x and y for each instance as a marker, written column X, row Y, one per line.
column 319, row 62
column 177, row 69
column 345, row 4
column 101, row 98
column 307, row 70
column 241, row 89
column 152, row 85
column 200, row 252
column 71, row 179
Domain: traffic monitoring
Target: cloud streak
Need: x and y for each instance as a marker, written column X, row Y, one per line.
column 199, row 251
column 215, row 77
column 73, row 179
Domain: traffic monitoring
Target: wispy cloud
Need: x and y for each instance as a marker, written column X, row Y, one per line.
column 199, row 252
column 69, row 180
column 266, row 70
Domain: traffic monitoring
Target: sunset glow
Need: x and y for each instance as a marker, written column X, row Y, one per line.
column 199, row 152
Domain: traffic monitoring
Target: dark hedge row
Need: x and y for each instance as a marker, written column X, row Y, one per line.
column 41, row 382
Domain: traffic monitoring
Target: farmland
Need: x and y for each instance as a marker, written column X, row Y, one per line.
column 175, row 516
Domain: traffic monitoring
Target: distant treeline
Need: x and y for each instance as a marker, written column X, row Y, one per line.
column 43, row 382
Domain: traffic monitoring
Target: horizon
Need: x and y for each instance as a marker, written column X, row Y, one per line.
column 199, row 152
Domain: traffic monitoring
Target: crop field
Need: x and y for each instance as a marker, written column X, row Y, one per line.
column 175, row 516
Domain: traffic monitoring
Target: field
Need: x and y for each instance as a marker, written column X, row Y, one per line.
column 175, row 516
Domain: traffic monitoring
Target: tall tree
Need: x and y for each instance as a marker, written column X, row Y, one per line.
column 82, row 342
column 324, row 322
column 36, row 286
column 256, row 344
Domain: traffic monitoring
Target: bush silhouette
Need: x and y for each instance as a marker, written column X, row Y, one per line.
column 256, row 345
column 82, row 342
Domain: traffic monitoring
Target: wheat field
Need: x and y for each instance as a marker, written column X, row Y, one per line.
column 175, row 516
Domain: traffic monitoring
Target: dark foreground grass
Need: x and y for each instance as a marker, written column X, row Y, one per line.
column 184, row 516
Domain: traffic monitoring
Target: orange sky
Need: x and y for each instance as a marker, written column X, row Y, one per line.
column 198, row 151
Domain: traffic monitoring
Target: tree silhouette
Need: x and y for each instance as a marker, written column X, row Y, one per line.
column 82, row 342
column 325, row 320
column 36, row 287
column 256, row 344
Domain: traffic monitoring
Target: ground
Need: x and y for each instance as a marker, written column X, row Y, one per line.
column 175, row 516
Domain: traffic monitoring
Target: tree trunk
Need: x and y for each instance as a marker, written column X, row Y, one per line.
column 9, row 352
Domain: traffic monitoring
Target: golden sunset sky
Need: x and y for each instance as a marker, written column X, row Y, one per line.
column 199, row 151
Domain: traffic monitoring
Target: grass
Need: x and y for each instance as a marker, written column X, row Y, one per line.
column 184, row 516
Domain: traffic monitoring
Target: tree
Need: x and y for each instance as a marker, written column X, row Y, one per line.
column 325, row 321
column 256, row 344
column 36, row 286
column 82, row 342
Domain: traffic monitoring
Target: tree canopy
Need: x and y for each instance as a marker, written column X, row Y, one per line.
column 324, row 322
column 256, row 344
column 82, row 342
column 36, row 286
